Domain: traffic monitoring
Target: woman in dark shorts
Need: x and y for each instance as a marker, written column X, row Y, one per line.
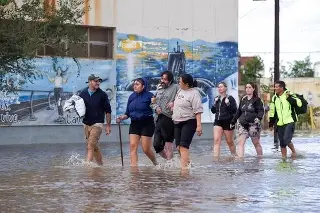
column 187, row 110
column 224, row 108
column 142, row 122
column 249, row 116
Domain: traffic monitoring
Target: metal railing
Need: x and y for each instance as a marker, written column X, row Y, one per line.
column 32, row 94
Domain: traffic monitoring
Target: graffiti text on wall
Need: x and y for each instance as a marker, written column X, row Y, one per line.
column 6, row 116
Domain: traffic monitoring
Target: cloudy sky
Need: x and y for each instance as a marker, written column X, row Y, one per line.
column 299, row 30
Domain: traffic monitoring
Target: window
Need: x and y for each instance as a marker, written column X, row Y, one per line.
column 98, row 44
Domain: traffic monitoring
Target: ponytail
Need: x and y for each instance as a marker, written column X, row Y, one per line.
column 195, row 83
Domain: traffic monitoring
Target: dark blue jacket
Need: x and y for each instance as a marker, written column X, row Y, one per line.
column 138, row 106
column 97, row 105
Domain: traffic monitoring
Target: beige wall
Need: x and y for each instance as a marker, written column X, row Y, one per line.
column 302, row 86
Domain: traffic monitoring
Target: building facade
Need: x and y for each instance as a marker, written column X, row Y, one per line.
column 128, row 39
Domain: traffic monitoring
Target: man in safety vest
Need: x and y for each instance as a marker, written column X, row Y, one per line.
column 283, row 116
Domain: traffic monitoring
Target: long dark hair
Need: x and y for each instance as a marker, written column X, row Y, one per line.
column 188, row 79
column 255, row 91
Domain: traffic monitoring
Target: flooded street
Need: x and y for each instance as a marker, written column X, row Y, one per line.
column 53, row 178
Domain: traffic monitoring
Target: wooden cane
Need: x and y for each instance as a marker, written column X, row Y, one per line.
column 119, row 126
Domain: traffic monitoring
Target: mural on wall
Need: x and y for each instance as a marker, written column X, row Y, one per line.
column 209, row 63
column 40, row 102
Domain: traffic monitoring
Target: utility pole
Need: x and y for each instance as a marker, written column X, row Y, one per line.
column 276, row 41
column 276, row 58
column 276, row 68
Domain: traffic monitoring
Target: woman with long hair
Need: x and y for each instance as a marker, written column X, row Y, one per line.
column 187, row 110
column 249, row 116
column 142, row 122
column 224, row 108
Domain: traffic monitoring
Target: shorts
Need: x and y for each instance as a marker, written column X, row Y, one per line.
column 252, row 131
column 285, row 134
column 164, row 132
column 224, row 124
column 92, row 134
column 143, row 127
column 184, row 132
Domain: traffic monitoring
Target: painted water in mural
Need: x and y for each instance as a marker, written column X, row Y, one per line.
column 40, row 102
column 209, row 63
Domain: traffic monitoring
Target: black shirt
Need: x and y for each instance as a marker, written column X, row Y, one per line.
column 249, row 110
column 97, row 105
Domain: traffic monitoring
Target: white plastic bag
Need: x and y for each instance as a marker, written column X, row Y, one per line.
column 75, row 103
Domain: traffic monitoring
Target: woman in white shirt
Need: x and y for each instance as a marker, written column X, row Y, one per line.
column 187, row 110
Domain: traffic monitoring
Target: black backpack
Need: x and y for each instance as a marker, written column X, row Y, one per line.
column 298, row 110
column 304, row 108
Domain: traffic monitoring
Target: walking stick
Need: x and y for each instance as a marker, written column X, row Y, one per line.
column 120, row 143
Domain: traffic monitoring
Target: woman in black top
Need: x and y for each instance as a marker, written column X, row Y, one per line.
column 249, row 116
column 224, row 107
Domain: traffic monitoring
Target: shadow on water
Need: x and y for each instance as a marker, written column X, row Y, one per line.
column 55, row 178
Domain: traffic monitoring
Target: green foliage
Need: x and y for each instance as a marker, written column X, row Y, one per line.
column 251, row 70
column 298, row 68
column 304, row 119
column 26, row 28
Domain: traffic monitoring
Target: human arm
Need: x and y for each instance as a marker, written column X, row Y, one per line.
column 213, row 108
column 293, row 100
column 259, row 108
column 199, row 127
column 107, row 109
column 51, row 79
column 232, row 106
column 155, row 107
column 272, row 113
column 126, row 115
column 237, row 114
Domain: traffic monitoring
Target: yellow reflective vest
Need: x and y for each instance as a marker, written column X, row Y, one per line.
column 281, row 109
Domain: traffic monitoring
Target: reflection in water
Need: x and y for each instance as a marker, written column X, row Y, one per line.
column 53, row 178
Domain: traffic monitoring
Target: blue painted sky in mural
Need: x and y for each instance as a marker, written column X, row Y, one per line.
column 88, row 66
column 212, row 61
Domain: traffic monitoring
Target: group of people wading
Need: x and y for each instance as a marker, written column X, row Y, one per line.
column 173, row 114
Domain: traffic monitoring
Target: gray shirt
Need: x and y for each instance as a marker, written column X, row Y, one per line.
column 187, row 104
column 165, row 96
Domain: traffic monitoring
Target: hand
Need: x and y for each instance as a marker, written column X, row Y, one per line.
column 199, row 130
column 108, row 129
column 158, row 110
column 232, row 125
column 271, row 129
column 170, row 105
column 227, row 101
column 153, row 100
column 256, row 120
column 288, row 94
column 121, row 118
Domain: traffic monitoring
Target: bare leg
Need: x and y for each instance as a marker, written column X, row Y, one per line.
column 169, row 150
column 293, row 150
column 147, row 148
column 217, row 136
column 134, row 143
column 241, row 142
column 184, row 157
column 284, row 152
column 257, row 146
column 230, row 142
column 163, row 154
